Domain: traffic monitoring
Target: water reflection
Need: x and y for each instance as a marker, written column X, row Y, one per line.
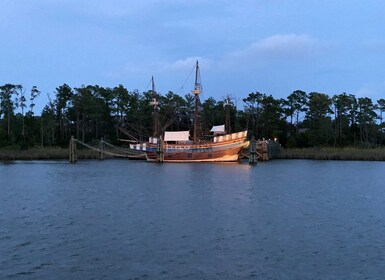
column 121, row 219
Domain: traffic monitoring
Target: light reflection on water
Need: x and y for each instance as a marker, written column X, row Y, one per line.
column 120, row 219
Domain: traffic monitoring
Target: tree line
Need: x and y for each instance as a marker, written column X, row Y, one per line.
column 90, row 112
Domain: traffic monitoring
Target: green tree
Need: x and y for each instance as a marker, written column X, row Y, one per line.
column 48, row 125
column 122, row 98
column 366, row 119
column 88, row 106
column 213, row 111
column 343, row 104
column 188, row 111
column 20, row 102
column 253, row 110
column 296, row 104
column 34, row 94
column 318, row 120
column 138, row 117
column 381, row 108
column 172, row 108
column 63, row 95
column 271, row 117
column 8, row 105
column 318, row 108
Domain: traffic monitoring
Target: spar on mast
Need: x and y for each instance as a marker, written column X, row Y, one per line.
column 197, row 90
column 154, row 102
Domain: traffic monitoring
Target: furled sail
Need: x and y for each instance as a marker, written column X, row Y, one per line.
column 218, row 129
column 176, row 135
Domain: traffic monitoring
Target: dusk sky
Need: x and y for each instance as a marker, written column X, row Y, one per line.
column 274, row 47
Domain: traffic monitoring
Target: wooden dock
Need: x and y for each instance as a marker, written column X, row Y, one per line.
column 262, row 150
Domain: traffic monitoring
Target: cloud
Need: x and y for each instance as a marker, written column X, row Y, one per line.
column 374, row 91
column 183, row 65
column 188, row 63
column 282, row 46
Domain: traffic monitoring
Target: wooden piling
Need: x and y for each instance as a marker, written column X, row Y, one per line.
column 72, row 150
column 253, row 152
column 264, row 150
column 261, row 150
column 101, row 149
column 160, row 150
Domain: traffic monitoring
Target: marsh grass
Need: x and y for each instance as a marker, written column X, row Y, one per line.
column 349, row 153
column 44, row 154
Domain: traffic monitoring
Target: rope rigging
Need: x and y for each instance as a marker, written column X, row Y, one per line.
column 127, row 152
column 182, row 87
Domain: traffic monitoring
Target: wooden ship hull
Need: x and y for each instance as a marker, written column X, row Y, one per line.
column 227, row 149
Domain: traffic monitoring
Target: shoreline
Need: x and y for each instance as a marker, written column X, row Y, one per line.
column 51, row 153
column 349, row 153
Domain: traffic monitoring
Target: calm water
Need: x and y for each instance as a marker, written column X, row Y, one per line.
column 120, row 219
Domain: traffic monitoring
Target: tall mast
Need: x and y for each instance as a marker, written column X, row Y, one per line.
column 196, row 92
column 227, row 114
column 154, row 103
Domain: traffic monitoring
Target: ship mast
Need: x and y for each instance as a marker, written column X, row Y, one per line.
column 196, row 92
column 154, row 103
column 227, row 105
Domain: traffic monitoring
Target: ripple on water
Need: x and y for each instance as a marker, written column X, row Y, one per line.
column 125, row 220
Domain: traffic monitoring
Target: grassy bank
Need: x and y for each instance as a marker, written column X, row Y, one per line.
column 44, row 154
column 377, row 154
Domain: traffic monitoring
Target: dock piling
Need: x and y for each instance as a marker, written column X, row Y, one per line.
column 253, row 152
column 101, row 149
column 72, row 150
column 160, row 151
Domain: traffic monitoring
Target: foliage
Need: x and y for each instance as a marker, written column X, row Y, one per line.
column 90, row 112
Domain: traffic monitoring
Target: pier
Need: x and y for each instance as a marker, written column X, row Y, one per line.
column 260, row 150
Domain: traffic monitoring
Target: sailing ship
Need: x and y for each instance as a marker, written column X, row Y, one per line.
column 179, row 146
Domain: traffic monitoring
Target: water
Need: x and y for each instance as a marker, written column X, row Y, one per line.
column 118, row 219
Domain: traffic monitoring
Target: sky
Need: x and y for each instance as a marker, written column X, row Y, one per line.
column 270, row 46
